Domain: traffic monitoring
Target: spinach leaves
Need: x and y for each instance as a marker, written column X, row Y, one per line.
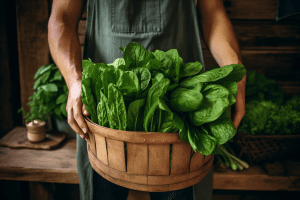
column 158, row 92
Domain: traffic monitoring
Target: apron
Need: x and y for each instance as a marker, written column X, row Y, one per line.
column 155, row 24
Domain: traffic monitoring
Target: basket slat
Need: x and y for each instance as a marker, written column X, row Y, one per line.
column 137, row 158
column 116, row 154
column 159, row 159
column 197, row 161
column 181, row 154
column 92, row 142
column 139, row 179
column 167, row 180
column 207, row 158
column 139, row 182
column 101, row 149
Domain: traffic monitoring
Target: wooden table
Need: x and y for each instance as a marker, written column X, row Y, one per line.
column 59, row 166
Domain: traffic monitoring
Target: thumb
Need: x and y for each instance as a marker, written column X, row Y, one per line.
column 84, row 111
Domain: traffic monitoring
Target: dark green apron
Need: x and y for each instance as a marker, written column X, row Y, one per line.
column 155, row 24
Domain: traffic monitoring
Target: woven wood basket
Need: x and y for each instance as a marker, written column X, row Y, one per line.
column 257, row 148
column 147, row 164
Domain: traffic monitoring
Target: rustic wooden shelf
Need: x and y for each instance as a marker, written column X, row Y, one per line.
column 59, row 166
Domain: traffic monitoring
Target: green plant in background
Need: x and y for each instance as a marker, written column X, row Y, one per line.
column 49, row 97
column 268, row 112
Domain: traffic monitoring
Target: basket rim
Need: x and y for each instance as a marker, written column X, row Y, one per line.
column 133, row 136
column 269, row 136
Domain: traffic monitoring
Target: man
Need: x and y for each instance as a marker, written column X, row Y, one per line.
column 155, row 24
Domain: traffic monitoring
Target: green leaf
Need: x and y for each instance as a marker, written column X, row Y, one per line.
column 144, row 77
column 118, row 62
column 66, row 90
column 57, row 76
column 177, row 61
column 237, row 73
column 215, row 102
column 88, row 99
column 191, row 69
column 37, row 83
column 117, row 111
column 200, row 141
column 208, row 76
column 157, row 90
column 185, row 100
column 222, row 129
column 102, row 111
column 135, row 115
column 63, row 109
column 134, row 52
column 50, row 87
column 128, row 85
column 42, row 70
column 62, row 99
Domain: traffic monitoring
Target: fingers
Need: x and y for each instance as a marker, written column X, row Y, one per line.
column 77, row 123
column 84, row 111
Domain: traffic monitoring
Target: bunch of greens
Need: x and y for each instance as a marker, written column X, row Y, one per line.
column 268, row 112
column 268, row 118
column 49, row 97
column 158, row 92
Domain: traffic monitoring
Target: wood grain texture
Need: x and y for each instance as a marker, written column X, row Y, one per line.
column 133, row 136
column 137, row 158
column 180, row 163
column 152, row 183
column 17, row 138
column 57, row 165
column 159, row 159
column 101, row 148
column 196, row 162
column 254, row 178
column 116, row 154
column 32, row 20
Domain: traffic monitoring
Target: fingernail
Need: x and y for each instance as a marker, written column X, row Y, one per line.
column 84, row 130
column 81, row 136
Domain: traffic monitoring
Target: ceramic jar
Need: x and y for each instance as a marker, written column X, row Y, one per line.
column 36, row 131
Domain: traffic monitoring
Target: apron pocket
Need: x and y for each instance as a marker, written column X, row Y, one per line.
column 135, row 16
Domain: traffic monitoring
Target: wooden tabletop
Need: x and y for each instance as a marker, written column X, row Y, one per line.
column 59, row 166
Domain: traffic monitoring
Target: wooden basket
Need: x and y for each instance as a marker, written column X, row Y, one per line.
column 257, row 148
column 147, row 164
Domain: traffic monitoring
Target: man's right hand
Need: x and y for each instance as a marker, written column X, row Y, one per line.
column 76, row 109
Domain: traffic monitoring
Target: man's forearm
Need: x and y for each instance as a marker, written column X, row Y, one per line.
column 65, row 50
column 218, row 33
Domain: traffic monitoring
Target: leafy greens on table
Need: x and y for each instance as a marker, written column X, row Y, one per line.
column 158, row 92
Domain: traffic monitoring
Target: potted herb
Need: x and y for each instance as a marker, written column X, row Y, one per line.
column 35, row 119
column 49, row 97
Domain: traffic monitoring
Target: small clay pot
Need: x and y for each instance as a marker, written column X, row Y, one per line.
column 36, row 132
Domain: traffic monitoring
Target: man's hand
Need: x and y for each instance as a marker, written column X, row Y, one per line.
column 239, row 109
column 75, row 108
